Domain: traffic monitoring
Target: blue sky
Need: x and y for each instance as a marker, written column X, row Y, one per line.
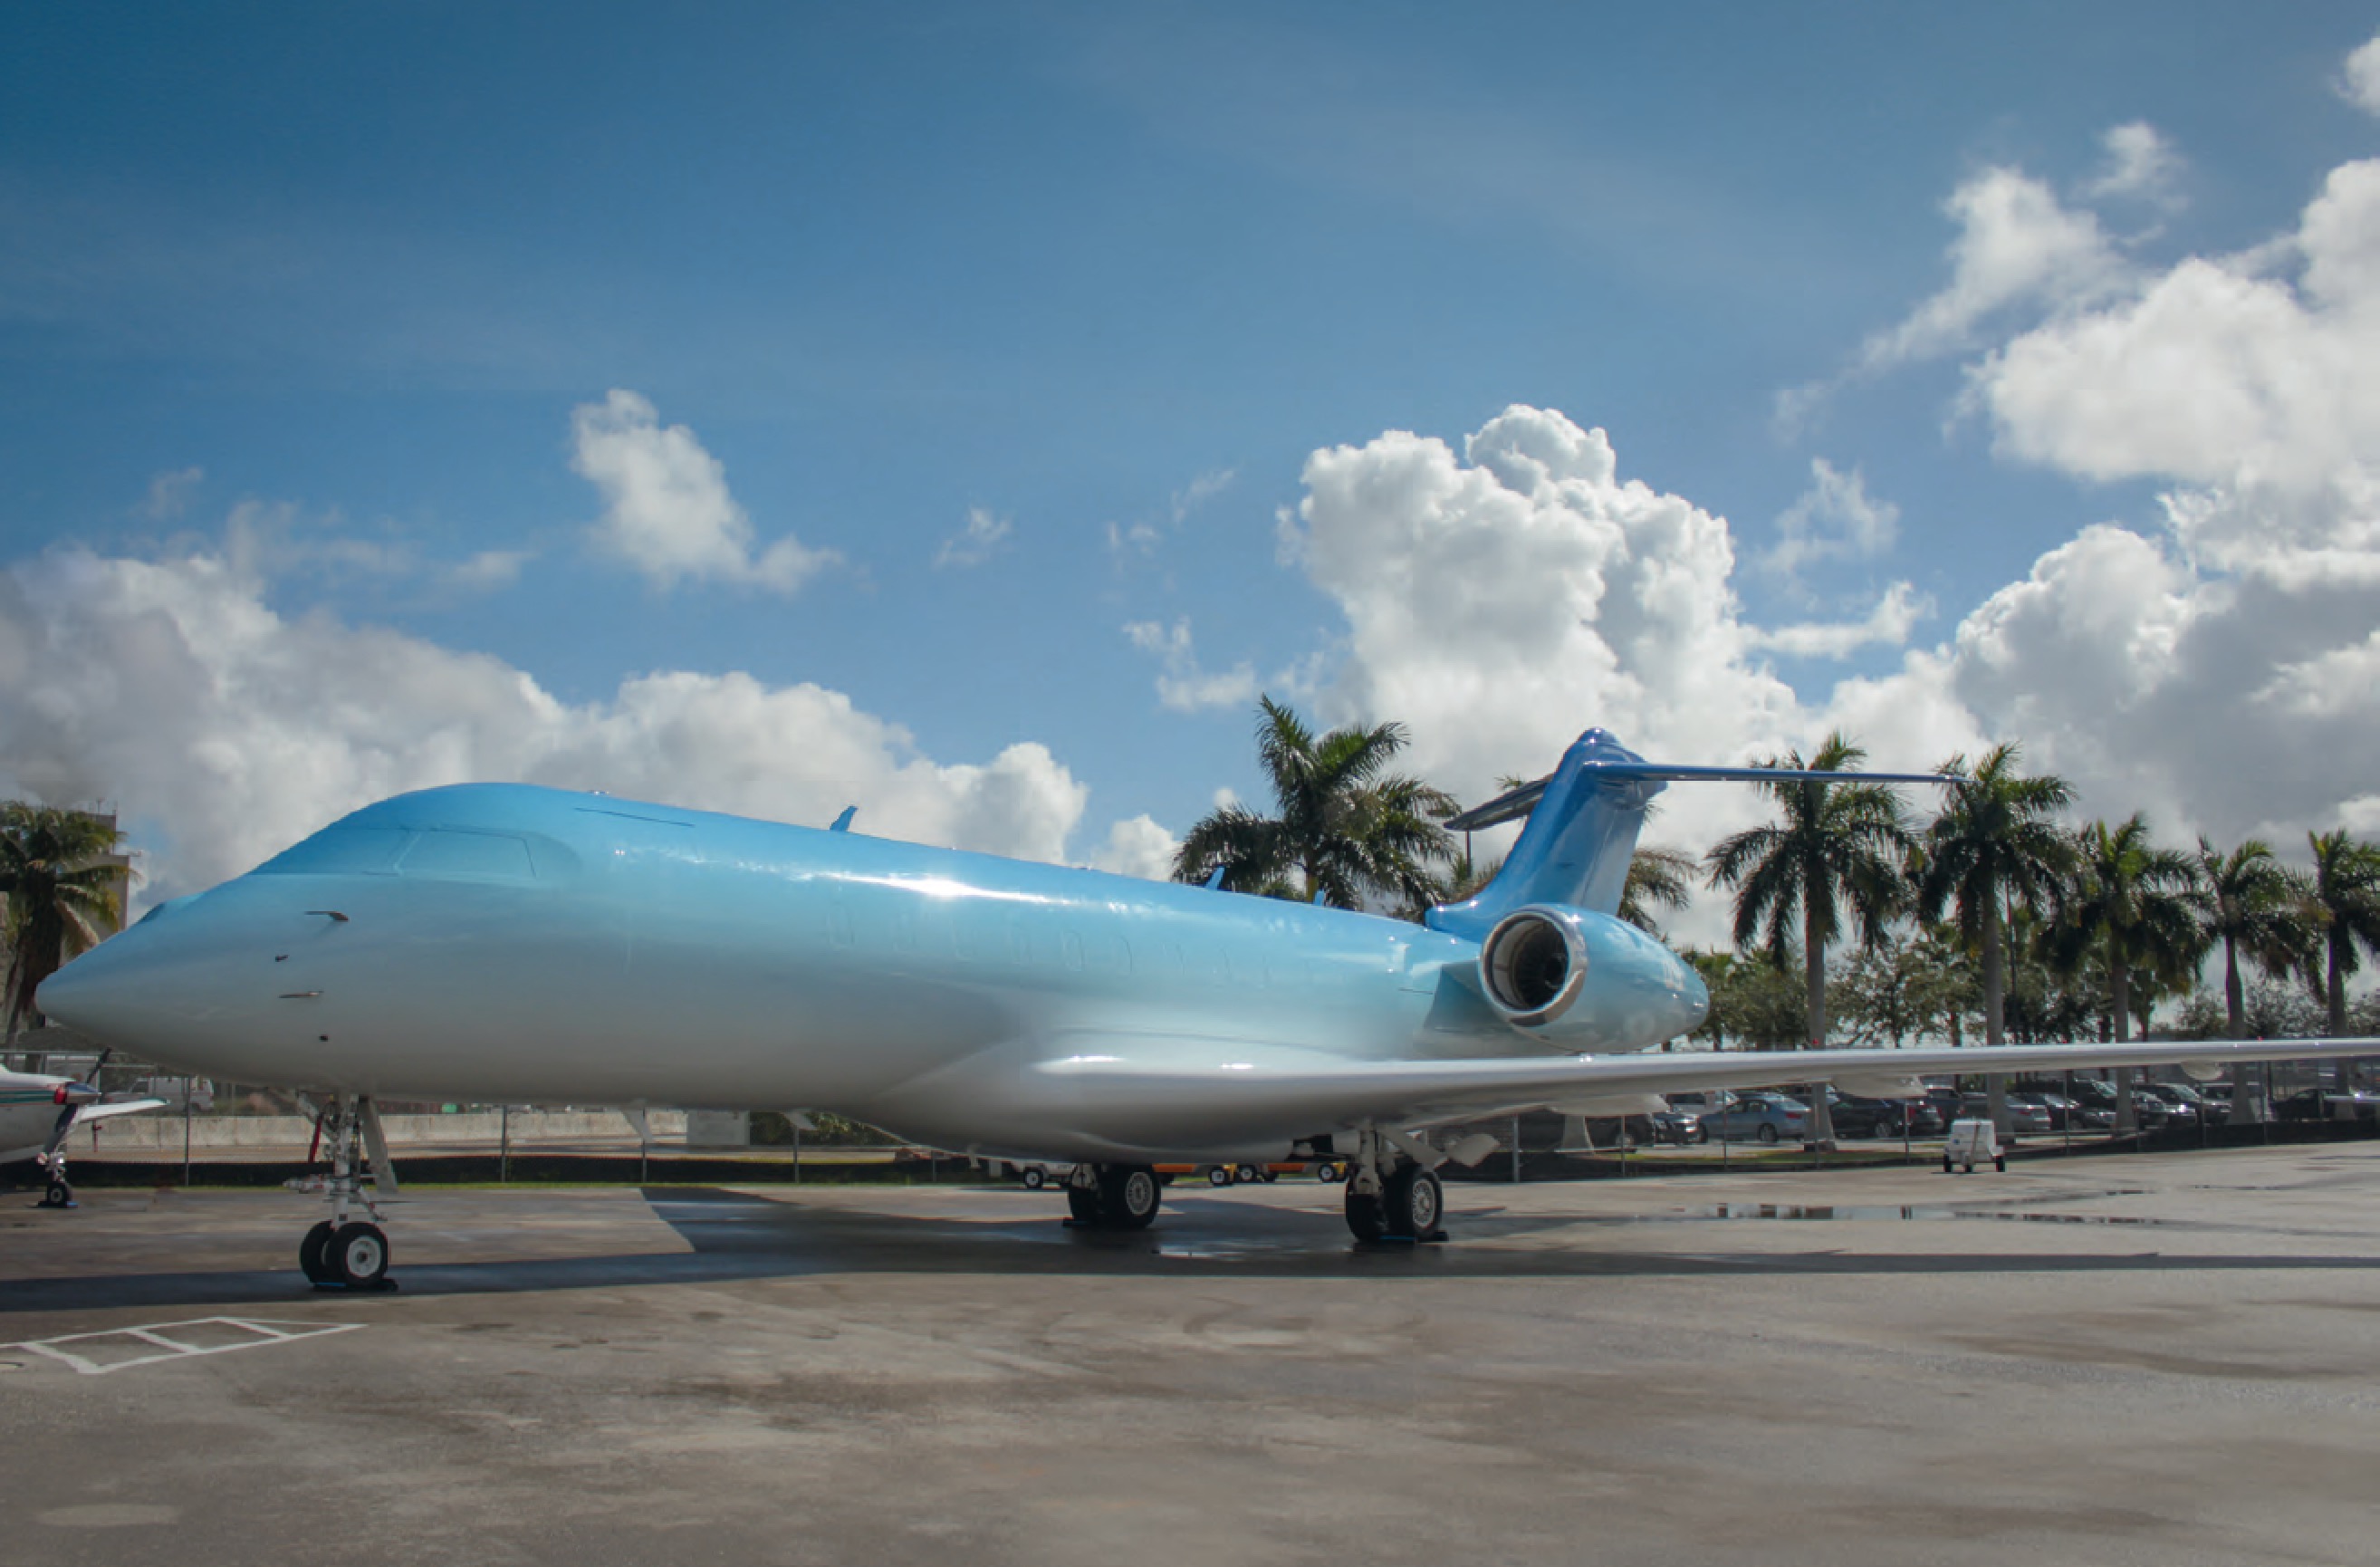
column 334, row 299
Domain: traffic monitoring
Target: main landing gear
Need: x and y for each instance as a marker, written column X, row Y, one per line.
column 1113, row 1196
column 1394, row 1196
column 342, row 1251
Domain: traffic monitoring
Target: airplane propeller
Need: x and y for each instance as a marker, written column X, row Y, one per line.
column 71, row 1096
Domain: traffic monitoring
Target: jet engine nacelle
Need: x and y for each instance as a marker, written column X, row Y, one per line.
column 1533, row 963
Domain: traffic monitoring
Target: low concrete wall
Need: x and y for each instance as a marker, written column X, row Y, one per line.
column 161, row 1131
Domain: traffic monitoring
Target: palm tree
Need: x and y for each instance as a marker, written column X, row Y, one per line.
column 2128, row 905
column 1658, row 878
column 1995, row 845
column 1839, row 846
column 2347, row 889
column 62, row 884
column 2254, row 904
column 1347, row 827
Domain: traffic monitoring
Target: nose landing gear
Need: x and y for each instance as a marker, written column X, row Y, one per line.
column 57, row 1191
column 344, row 1252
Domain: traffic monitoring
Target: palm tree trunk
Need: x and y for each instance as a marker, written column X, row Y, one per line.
column 1814, row 973
column 2247, row 1081
column 2233, row 1001
column 2120, row 980
column 1995, row 996
column 2336, row 980
column 1995, row 980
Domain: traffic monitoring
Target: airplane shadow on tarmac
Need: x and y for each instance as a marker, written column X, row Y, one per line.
column 736, row 1235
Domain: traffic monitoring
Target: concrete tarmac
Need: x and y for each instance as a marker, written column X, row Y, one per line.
column 2163, row 1359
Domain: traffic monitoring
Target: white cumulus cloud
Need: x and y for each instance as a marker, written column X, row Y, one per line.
column 2141, row 164
column 1836, row 518
column 2360, row 84
column 169, row 494
column 1182, row 684
column 667, row 509
column 223, row 731
column 1138, row 847
column 1897, row 613
column 985, row 535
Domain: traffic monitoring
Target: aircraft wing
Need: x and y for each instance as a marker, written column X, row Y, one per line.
column 1249, row 1088
column 119, row 1107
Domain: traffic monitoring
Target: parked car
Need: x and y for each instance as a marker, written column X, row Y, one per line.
column 1677, row 1126
column 2181, row 1105
column 1945, row 1103
column 1760, row 1118
column 1855, row 1116
column 2065, row 1114
column 2149, row 1111
column 2326, row 1105
column 2023, row 1119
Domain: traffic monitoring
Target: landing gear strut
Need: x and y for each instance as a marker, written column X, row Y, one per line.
column 57, row 1191
column 1113, row 1196
column 346, row 1252
column 1392, row 1197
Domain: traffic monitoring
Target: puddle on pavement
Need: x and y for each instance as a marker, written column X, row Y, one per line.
column 1917, row 1211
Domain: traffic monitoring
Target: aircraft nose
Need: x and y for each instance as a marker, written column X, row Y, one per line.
column 135, row 989
column 90, row 994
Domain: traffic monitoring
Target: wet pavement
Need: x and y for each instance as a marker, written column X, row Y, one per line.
column 2166, row 1358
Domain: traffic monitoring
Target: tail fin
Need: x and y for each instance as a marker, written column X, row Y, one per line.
column 1575, row 849
column 1584, row 819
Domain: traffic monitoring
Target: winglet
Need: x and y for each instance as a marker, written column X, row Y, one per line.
column 843, row 822
column 1216, row 881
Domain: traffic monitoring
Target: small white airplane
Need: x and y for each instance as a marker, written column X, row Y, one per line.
column 38, row 1110
column 507, row 944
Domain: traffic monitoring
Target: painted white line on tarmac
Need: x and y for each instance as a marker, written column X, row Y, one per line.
column 98, row 1354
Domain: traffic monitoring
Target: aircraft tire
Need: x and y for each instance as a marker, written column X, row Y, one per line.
column 1129, row 1196
column 1035, row 1177
column 2001, row 1164
column 1245, row 1174
column 1364, row 1216
column 57, row 1194
column 1269, row 1176
column 357, row 1255
column 1219, row 1176
column 1082, row 1204
column 1412, row 1203
column 311, row 1258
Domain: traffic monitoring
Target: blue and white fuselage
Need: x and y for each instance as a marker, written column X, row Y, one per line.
column 517, row 944
column 509, row 943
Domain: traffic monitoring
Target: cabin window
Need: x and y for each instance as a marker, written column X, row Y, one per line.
column 494, row 857
column 340, row 851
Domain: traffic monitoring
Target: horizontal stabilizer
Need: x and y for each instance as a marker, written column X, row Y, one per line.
column 1583, row 822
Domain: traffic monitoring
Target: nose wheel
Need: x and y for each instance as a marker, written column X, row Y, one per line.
column 344, row 1251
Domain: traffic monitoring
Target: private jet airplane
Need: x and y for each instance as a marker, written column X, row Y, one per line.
column 37, row 1111
column 502, row 942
